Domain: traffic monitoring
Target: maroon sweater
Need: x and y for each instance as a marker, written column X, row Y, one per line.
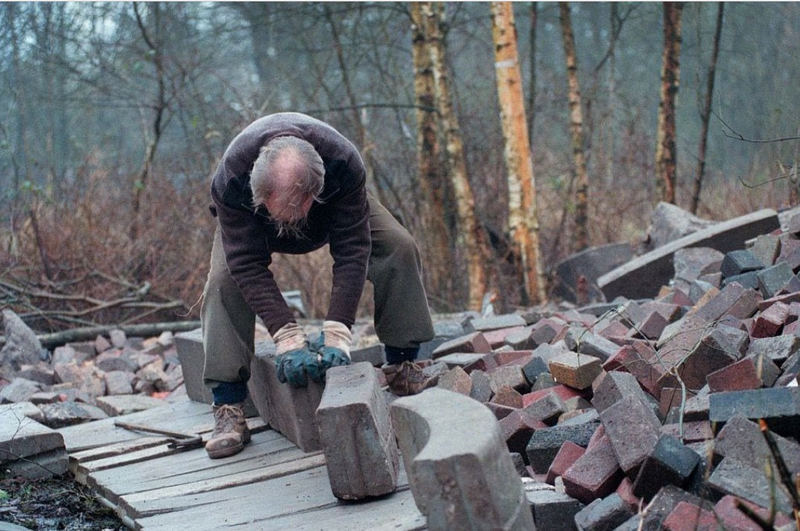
column 340, row 218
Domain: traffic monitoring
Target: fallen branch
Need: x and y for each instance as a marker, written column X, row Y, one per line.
column 88, row 333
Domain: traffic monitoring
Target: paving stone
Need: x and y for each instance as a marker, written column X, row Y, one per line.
column 693, row 432
column 533, row 368
column 640, row 361
column 461, row 475
column 497, row 322
column 457, row 380
column 770, row 321
column 633, row 430
column 462, row 360
column 500, row 411
column 372, row 354
column 563, row 392
column 689, row 262
column 475, row 342
column 511, row 357
column 595, row 474
column 565, row 458
column 506, row 396
column 547, row 409
column 738, row 262
column 546, row 330
column 651, row 327
column 767, row 248
column 40, row 373
column 749, row 373
column 597, row 346
column 731, row 517
column 774, row 278
column 583, row 269
column 19, row 390
column 507, row 376
column 695, row 409
column 118, row 383
column 481, row 386
column 672, row 397
column 625, row 491
column 575, row 370
column 65, row 414
column 668, row 463
column 356, row 434
column 44, row 397
column 286, row 409
column 742, row 440
column 689, row 517
column 643, row 276
column 22, row 347
column 614, row 386
column 747, row 280
column 604, row 514
column 545, row 443
column 778, row 349
column 544, row 381
column 117, row 405
column 101, row 344
column 738, row 479
column 517, row 428
column 780, row 407
column 553, row 511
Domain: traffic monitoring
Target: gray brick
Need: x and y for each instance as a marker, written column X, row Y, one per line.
column 553, row 511
column 545, row 443
column 780, row 407
column 633, row 429
column 738, row 262
column 604, row 514
column 736, row 478
column 773, row 279
column 356, row 434
column 669, row 463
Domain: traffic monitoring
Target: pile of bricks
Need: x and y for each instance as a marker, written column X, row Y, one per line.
column 645, row 414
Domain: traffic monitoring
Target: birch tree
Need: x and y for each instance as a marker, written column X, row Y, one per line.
column 470, row 238
column 581, row 240
column 435, row 208
column 705, row 113
column 523, row 222
column 666, row 146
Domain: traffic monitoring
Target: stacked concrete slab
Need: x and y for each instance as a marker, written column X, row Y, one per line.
column 27, row 448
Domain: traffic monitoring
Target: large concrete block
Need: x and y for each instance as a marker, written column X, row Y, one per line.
column 356, row 433
column 288, row 410
column 27, row 448
column 576, row 275
column 644, row 276
column 460, row 472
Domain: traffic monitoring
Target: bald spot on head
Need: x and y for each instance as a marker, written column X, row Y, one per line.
column 285, row 203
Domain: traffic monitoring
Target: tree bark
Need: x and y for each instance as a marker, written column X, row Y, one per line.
column 581, row 240
column 705, row 114
column 470, row 238
column 523, row 221
column 532, row 64
column 666, row 146
column 429, row 153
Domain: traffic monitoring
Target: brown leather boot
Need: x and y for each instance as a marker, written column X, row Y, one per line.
column 406, row 378
column 230, row 431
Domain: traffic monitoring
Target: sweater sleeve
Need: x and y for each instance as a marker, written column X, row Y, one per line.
column 248, row 257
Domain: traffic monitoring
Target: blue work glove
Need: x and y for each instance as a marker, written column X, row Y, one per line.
column 293, row 366
column 333, row 348
column 294, row 360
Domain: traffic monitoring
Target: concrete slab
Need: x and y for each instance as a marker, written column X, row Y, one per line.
column 644, row 276
column 460, row 472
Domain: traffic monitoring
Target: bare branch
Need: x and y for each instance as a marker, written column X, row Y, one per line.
column 732, row 133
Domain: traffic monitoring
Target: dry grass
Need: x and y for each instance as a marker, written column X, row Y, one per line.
column 84, row 247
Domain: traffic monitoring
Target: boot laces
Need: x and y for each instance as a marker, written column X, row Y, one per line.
column 225, row 418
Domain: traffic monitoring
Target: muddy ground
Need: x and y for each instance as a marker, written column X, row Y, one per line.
column 57, row 503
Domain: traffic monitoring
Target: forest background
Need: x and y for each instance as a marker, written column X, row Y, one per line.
column 113, row 116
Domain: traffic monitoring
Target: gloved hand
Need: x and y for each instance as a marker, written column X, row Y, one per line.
column 294, row 358
column 335, row 348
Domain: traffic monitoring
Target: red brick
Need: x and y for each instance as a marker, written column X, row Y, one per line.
column 651, row 327
column 564, row 392
column 546, row 330
column 672, row 397
column 596, row 474
column 517, row 428
column 475, row 342
column 565, row 458
column 516, row 357
column 697, row 431
column 640, row 361
column 500, row 411
column 769, row 323
column 733, row 519
column 497, row 338
column 625, row 491
column 614, row 329
column 688, row 517
column 575, row 370
column 633, row 430
column 506, row 396
column 749, row 373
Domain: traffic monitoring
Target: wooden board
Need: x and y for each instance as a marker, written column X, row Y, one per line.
column 270, row 485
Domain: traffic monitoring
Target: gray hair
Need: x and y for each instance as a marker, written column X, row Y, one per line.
column 289, row 170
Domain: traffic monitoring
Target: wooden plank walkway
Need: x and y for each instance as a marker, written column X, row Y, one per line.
column 271, row 485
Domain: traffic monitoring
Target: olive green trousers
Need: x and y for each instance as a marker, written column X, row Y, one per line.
column 402, row 317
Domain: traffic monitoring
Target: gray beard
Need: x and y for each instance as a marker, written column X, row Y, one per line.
column 291, row 229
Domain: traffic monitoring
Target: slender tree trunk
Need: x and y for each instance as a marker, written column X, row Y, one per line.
column 612, row 93
column 532, row 64
column 470, row 238
column 666, row 147
column 705, row 115
column 362, row 138
column 581, row 240
column 523, row 221
column 429, row 153
column 155, row 45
